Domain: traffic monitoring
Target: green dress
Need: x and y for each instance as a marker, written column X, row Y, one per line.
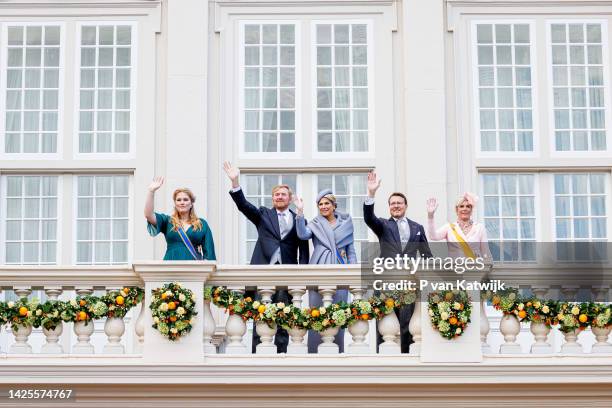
column 176, row 250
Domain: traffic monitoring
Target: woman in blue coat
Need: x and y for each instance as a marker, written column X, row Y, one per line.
column 332, row 237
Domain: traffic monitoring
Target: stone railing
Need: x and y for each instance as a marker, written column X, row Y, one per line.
column 297, row 280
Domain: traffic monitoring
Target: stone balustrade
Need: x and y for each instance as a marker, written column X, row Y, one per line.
column 219, row 333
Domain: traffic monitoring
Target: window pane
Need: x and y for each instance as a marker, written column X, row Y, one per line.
column 105, row 67
column 499, row 77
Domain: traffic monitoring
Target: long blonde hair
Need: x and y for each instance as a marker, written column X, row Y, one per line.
column 193, row 218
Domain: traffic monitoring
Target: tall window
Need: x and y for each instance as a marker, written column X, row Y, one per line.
column 342, row 87
column 580, row 206
column 32, row 88
column 258, row 190
column 578, row 87
column 504, row 87
column 350, row 191
column 105, row 118
column 268, row 75
column 509, row 215
column 31, row 219
column 102, row 220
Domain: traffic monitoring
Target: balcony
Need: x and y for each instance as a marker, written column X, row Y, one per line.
column 131, row 360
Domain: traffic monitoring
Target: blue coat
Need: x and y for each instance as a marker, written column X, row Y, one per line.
column 269, row 236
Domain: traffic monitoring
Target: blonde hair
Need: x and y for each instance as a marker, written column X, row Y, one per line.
column 278, row 187
column 193, row 218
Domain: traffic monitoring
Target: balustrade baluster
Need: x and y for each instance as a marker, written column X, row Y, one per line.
column 296, row 334
column 235, row 328
column 21, row 345
column 359, row 329
column 540, row 330
column 84, row 329
column 114, row 327
column 327, row 336
column 52, row 335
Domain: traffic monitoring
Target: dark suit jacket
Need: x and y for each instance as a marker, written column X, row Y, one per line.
column 389, row 236
column 269, row 236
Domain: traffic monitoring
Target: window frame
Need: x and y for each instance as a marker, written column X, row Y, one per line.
column 535, row 99
column 134, row 53
column 74, row 223
column 58, row 155
column 371, row 152
column 537, row 190
column 243, row 154
column 608, row 206
column 3, row 216
column 554, row 153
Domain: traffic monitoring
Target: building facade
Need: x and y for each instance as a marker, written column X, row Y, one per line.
column 509, row 99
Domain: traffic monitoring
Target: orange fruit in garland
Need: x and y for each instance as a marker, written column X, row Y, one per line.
column 315, row 313
column 522, row 314
column 583, row 318
column 82, row 302
column 171, row 305
column 81, row 316
column 23, row 311
column 119, row 300
column 453, row 320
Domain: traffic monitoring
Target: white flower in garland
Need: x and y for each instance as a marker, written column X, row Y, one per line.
column 286, row 309
column 156, row 320
column 444, row 316
column 163, row 307
column 545, row 309
column 256, row 304
column 180, row 311
column 575, row 310
column 73, row 303
column 458, row 331
column 38, row 312
column 457, row 306
column 182, row 297
column 322, row 310
column 12, row 304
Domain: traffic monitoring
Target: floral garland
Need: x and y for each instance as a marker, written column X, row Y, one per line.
column 172, row 308
column 340, row 314
column 569, row 316
column 450, row 312
column 50, row 314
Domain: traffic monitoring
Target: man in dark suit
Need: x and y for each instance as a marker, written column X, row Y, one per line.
column 277, row 240
column 396, row 235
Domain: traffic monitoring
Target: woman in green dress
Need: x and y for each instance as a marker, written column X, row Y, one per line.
column 184, row 221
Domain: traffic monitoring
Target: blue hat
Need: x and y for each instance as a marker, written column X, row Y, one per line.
column 327, row 193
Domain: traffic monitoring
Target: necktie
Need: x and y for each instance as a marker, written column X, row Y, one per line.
column 403, row 230
column 282, row 222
